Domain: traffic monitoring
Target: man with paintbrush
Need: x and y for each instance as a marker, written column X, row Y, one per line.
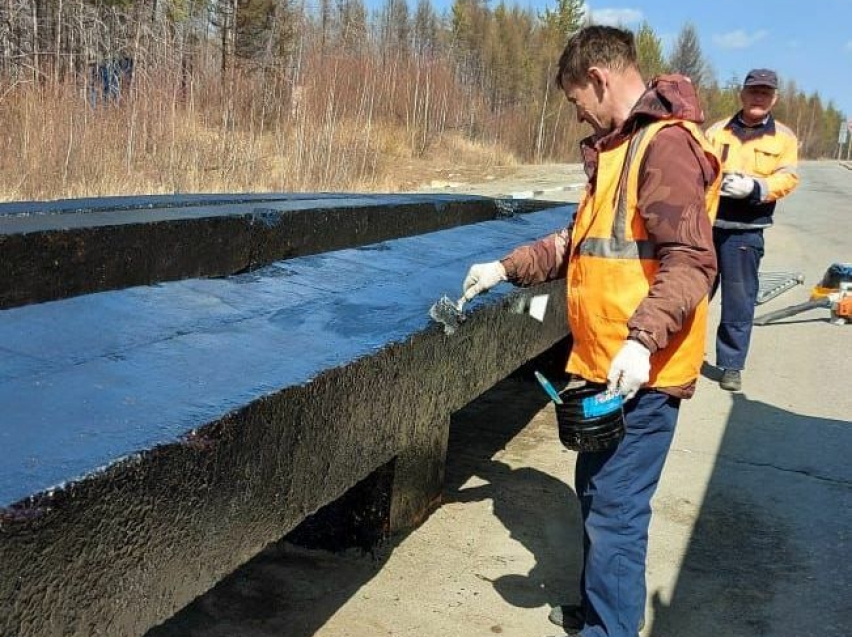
column 639, row 262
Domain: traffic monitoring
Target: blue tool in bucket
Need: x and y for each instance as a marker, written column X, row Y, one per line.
column 590, row 417
column 549, row 389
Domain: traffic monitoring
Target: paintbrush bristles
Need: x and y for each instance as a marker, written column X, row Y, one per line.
column 448, row 314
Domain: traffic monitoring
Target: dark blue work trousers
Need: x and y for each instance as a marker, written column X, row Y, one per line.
column 738, row 253
column 615, row 488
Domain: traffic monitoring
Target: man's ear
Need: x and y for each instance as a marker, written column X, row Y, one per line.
column 598, row 76
column 599, row 79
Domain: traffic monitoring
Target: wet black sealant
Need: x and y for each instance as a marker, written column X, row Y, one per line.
column 161, row 436
column 92, row 379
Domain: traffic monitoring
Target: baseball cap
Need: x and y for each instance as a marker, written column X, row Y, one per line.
column 761, row 77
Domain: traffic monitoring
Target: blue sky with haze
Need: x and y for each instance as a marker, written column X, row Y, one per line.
column 807, row 42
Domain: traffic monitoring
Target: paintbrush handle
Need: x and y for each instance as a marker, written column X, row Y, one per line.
column 548, row 388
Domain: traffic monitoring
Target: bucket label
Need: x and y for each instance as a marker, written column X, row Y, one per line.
column 601, row 404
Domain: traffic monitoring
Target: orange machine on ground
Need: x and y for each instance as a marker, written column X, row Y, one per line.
column 834, row 291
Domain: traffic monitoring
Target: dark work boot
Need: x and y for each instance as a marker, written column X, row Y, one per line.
column 732, row 380
column 570, row 618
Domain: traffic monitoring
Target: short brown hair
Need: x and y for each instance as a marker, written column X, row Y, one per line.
column 595, row 45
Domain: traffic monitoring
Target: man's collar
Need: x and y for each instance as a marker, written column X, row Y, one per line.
column 763, row 122
column 742, row 130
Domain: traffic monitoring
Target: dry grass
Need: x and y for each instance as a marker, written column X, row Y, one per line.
column 366, row 137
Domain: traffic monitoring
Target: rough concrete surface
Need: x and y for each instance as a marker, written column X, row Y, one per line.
column 751, row 533
column 190, row 424
column 56, row 250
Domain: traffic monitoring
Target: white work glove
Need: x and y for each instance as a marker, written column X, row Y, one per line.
column 737, row 186
column 482, row 277
column 630, row 369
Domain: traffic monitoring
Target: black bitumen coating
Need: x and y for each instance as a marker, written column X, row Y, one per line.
column 56, row 250
column 155, row 438
column 95, row 378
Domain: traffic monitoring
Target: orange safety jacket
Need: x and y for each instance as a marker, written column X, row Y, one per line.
column 613, row 264
column 767, row 153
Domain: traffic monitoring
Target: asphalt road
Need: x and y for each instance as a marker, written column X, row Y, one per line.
column 752, row 532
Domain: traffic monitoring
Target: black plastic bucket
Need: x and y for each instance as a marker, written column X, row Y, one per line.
column 590, row 418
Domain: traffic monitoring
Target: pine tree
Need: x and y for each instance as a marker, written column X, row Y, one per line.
column 565, row 19
column 686, row 57
column 650, row 52
column 352, row 25
column 470, row 21
column 263, row 30
column 395, row 26
column 426, row 29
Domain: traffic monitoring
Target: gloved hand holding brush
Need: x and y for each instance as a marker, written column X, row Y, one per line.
column 480, row 278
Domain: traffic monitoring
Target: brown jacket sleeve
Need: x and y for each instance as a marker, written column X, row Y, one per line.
column 675, row 174
column 544, row 260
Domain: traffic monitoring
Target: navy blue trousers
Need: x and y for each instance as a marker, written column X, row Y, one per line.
column 738, row 253
column 615, row 488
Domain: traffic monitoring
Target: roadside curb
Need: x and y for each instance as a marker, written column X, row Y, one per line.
column 531, row 194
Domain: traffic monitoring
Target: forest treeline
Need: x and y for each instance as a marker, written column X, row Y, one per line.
column 133, row 96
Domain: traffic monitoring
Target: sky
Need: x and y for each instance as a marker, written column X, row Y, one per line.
column 809, row 43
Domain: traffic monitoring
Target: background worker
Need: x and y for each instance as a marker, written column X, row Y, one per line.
column 759, row 157
column 639, row 264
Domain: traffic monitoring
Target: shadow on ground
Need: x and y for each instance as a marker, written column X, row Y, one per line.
column 775, row 515
column 288, row 590
column 538, row 510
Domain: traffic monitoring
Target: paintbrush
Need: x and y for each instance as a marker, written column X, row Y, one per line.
column 448, row 314
column 451, row 315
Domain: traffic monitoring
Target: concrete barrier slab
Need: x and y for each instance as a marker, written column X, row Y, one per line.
column 60, row 249
column 104, row 376
column 158, row 437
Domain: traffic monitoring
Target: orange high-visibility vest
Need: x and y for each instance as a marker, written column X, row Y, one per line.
column 613, row 264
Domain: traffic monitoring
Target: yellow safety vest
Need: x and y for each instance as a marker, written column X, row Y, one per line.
column 772, row 157
column 613, row 264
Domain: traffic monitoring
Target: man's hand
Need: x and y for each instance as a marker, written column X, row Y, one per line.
column 737, row 186
column 630, row 369
column 482, row 277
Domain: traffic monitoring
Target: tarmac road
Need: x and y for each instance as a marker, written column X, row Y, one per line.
column 752, row 532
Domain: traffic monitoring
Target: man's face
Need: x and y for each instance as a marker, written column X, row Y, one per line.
column 588, row 99
column 757, row 101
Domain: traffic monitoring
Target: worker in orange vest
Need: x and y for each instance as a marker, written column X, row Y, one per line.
column 639, row 262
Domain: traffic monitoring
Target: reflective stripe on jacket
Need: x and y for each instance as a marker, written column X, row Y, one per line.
column 613, row 264
column 769, row 154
